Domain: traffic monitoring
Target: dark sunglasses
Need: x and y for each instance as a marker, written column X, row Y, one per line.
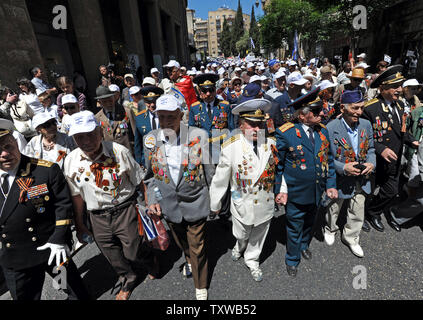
column 69, row 107
column 205, row 90
column 316, row 112
column 356, row 79
column 48, row 124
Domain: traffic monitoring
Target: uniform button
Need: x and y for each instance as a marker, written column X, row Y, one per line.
column 317, row 165
column 30, row 229
column 3, row 236
column 317, row 181
column 255, row 201
column 8, row 245
column 34, row 239
column 28, row 220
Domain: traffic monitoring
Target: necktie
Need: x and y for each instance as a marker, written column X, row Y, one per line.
column 311, row 136
column 5, row 191
column 209, row 111
column 153, row 124
column 110, row 115
column 395, row 113
column 255, row 148
column 5, row 184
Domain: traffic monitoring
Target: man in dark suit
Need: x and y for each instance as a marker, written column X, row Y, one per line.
column 386, row 114
column 146, row 120
column 306, row 163
column 35, row 214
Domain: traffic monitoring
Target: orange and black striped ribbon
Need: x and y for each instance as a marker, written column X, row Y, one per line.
column 24, row 184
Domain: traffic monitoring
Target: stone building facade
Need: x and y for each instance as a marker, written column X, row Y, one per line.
column 146, row 33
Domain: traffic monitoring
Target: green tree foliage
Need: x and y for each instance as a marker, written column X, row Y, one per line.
column 237, row 29
column 243, row 44
column 225, row 39
column 255, row 32
column 315, row 20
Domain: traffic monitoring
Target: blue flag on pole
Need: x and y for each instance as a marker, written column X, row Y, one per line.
column 295, row 51
column 252, row 43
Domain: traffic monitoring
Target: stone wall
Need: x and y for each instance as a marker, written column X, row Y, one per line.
column 18, row 45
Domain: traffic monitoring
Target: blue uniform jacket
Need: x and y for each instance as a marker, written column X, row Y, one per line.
column 143, row 127
column 342, row 152
column 221, row 117
column 307, row 171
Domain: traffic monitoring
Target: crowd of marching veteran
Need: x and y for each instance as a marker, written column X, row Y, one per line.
column 234, row 140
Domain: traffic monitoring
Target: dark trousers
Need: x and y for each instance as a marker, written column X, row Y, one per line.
column 27, row 284
column 299, row 223
column 117, row 237
column 386, row 196
column 190, row 238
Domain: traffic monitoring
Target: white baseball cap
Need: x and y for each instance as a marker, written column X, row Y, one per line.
column 411, row 83
column 114, row 88
column 313, row 61
column 154, row 70
column 250, row 65
column 263, row 78
column 40, row 118
column 134, row 90
column 149, row 80
column 362, row 65
column 129, row 75
column 167, row 102
column 82, row 122
column 296, row 78
column 292, row 63
column 238, row 69
column 255, row 78
column 69, row 98
column 173, row 63
column 326, row 84
column 362, row 55
column 279, row 74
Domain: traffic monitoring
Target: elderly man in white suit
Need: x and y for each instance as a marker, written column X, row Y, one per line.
column 248, row 162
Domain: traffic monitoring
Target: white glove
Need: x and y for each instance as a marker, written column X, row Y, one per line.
column 58, row 250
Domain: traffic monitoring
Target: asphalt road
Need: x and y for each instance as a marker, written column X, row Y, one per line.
column 392, row 264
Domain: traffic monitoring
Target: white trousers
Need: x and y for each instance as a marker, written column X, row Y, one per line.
column 250, row 240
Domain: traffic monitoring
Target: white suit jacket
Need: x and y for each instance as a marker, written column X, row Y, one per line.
column 252, row 197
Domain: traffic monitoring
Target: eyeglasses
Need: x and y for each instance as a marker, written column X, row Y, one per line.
column 205, row 90
column 316, row 112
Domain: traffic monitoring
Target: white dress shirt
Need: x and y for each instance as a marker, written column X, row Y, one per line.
column 173, row 156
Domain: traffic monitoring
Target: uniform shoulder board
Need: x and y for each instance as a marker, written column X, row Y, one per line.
column 230, row 140
column 272, row 138
column 195, row 104
column 140, row 112
column 368, row 103
column 43, row 163
column 286, row 126
column 224, row 102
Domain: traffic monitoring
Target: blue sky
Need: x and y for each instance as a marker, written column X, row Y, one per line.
column 202, row 7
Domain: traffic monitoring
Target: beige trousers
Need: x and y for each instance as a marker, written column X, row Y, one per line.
column 355, row 217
